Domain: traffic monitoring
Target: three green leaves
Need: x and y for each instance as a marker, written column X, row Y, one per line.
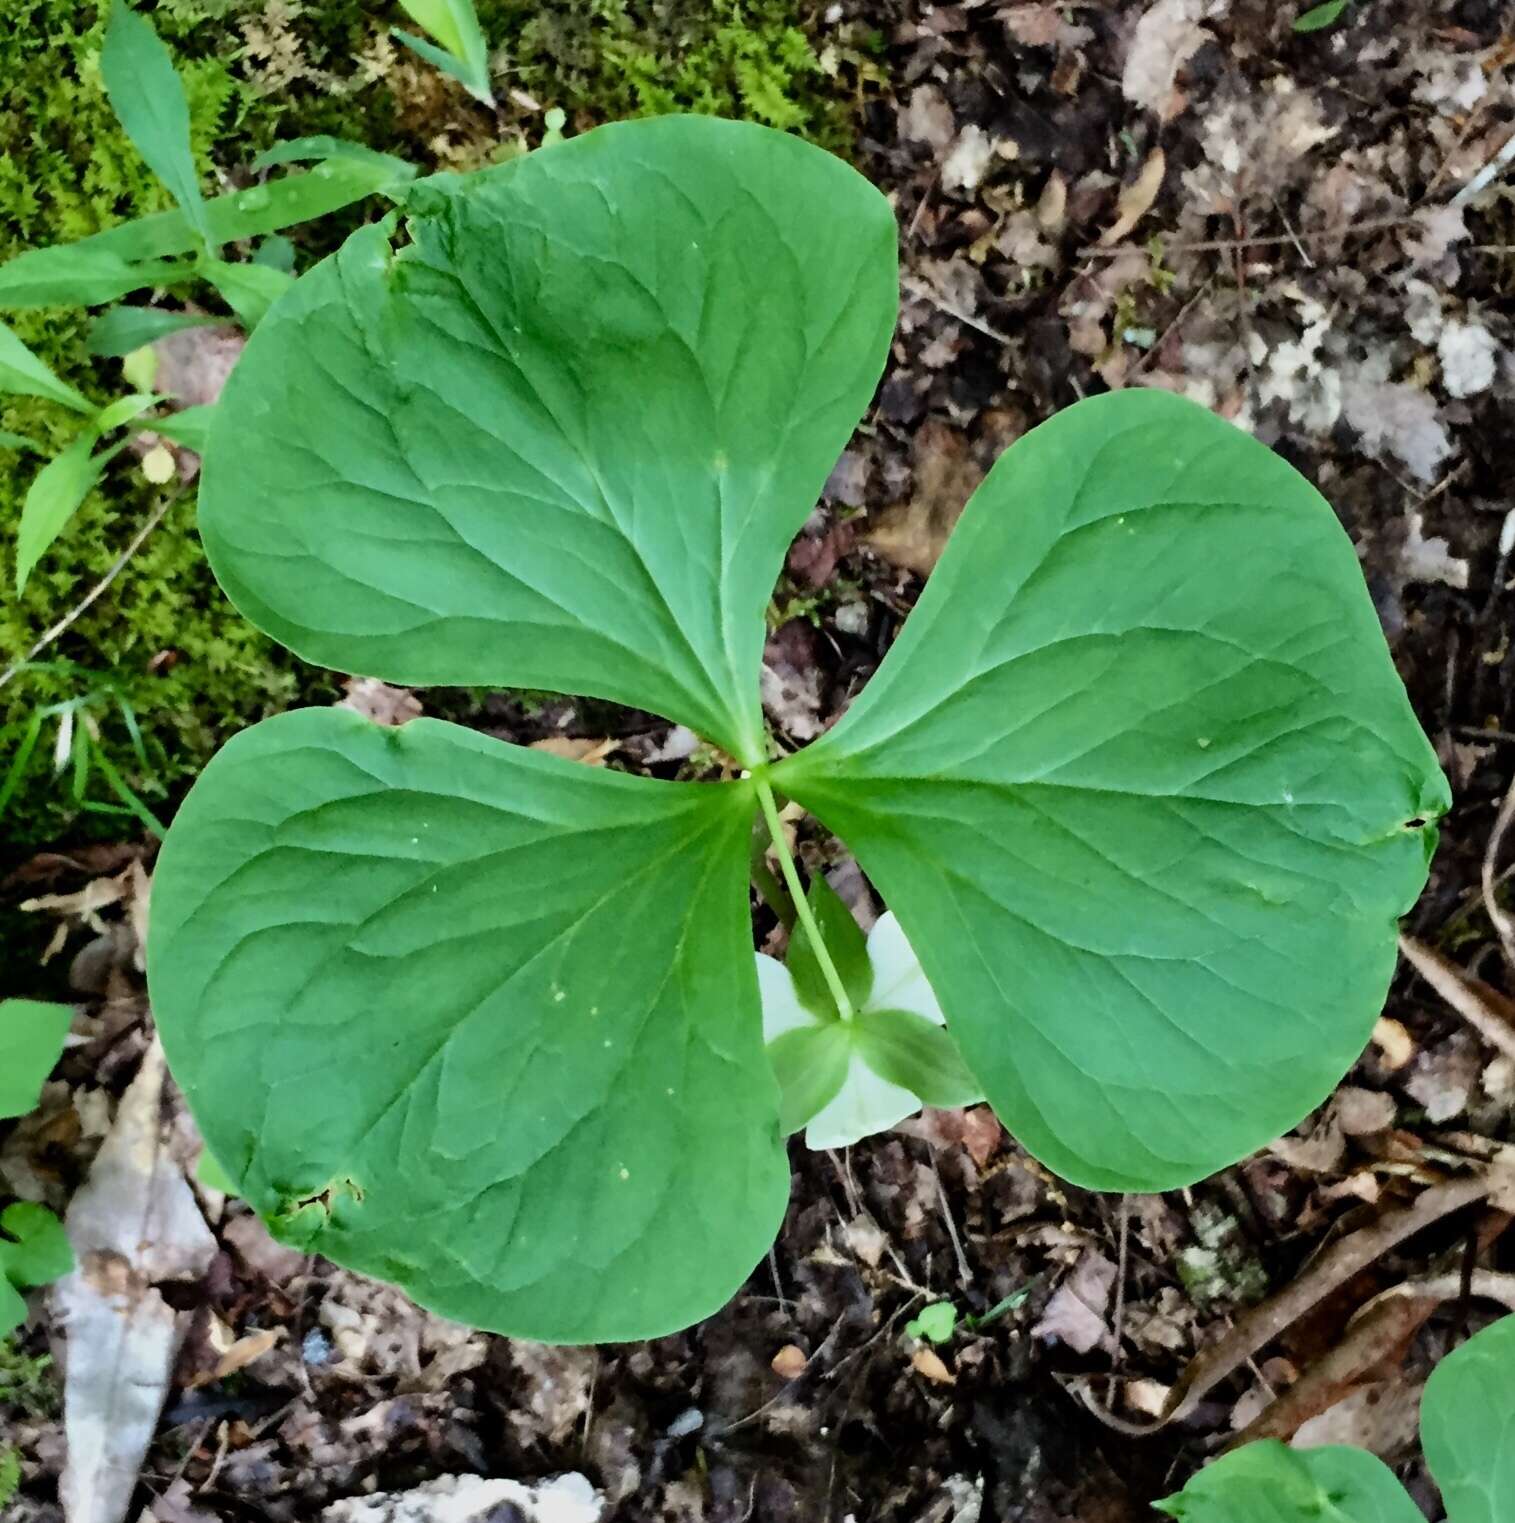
column 1138, row 779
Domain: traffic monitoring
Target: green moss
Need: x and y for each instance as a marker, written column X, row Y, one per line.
column 255, row 71
column 761, row 59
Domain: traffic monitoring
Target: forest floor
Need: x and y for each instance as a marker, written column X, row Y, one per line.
column 1186, row 194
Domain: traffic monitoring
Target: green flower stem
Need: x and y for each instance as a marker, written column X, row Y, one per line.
column 801, row 904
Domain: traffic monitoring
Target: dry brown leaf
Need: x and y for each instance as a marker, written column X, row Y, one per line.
column 1075, row 1315
column 927, row 1362
column 913, row 534
column 1136, row 199
column 790, row 1362
column 577, row 749
column 974, row 1127
column 1166, row 37
column 379, row 701
column 1394, row 1043
column 134, row 1223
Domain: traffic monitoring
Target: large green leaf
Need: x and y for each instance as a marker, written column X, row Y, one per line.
column 1143, row 788
column 1271, row 1483
column 31, row 1037
column 475, row 1019
column 563, row 437
column 1467, row 1427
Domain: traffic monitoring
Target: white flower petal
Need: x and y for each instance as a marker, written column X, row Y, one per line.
column 782, row 1010
column 864, row 1106
column 898, row 983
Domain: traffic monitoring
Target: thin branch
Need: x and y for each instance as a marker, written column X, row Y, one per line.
column 95, row 592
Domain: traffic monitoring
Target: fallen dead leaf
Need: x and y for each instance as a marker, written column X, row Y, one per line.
column 571, row 748
column 927, row 1362
column 133, row 1225
column 974, row 1127
column 1168, row 35
column 1394, row 1043
column 1075, row 1315
column 913, row 534
column 790, row 1362
column 1136, row 199
column 473, row 1499
column 379, row 701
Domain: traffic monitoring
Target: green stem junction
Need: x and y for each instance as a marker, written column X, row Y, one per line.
column 797, row 893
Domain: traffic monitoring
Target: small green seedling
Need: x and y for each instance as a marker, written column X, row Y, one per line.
column 34, row 1250
column 935, row 1323
column 1319, row 17
column 1137, row 782
column 460, row 50
column 1466, row 1416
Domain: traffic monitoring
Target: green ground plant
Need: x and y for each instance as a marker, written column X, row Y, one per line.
column 255, row 73
column 1466, row 1418
column 1146, row 829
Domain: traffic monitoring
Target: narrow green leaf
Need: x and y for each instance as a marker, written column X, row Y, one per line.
column 190, row 426
column 19, row 442
column 23, row 374
column 139, row 254
column 31, row 1039
column 1319, row 17
column 114, row 414
column 517, row 492
column 908, row 1050
column 323, row 149
column 37, row 1251
column 248, row 289
column 455, row 26
column 122, row 330
column 147, row 97
column 52, row 499
column 845, row 942
column 414, row 976
column 1467, row 1417
column 1148, row 825
column 1271, row 1483
column 810, row 1064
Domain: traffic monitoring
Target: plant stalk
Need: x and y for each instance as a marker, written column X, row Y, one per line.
column 801, row 904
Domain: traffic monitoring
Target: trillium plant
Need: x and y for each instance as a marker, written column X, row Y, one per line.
column 1137, row 781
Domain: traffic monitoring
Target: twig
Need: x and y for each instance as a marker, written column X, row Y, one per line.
column 922, row 291
column 1118, row 1322
column 1487, row 881
column 1168, row 332
column 1228, row 245
column 1260, row 1326
column 1490, row 1013
column 95, row 592
column 964, row 1273
column 1485, row 175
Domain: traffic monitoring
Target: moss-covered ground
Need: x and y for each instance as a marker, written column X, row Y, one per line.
column 258, row 70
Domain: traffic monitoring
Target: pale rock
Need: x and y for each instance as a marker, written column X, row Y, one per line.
column 968, row 162
column 1469, row 358
column 474, row 1499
